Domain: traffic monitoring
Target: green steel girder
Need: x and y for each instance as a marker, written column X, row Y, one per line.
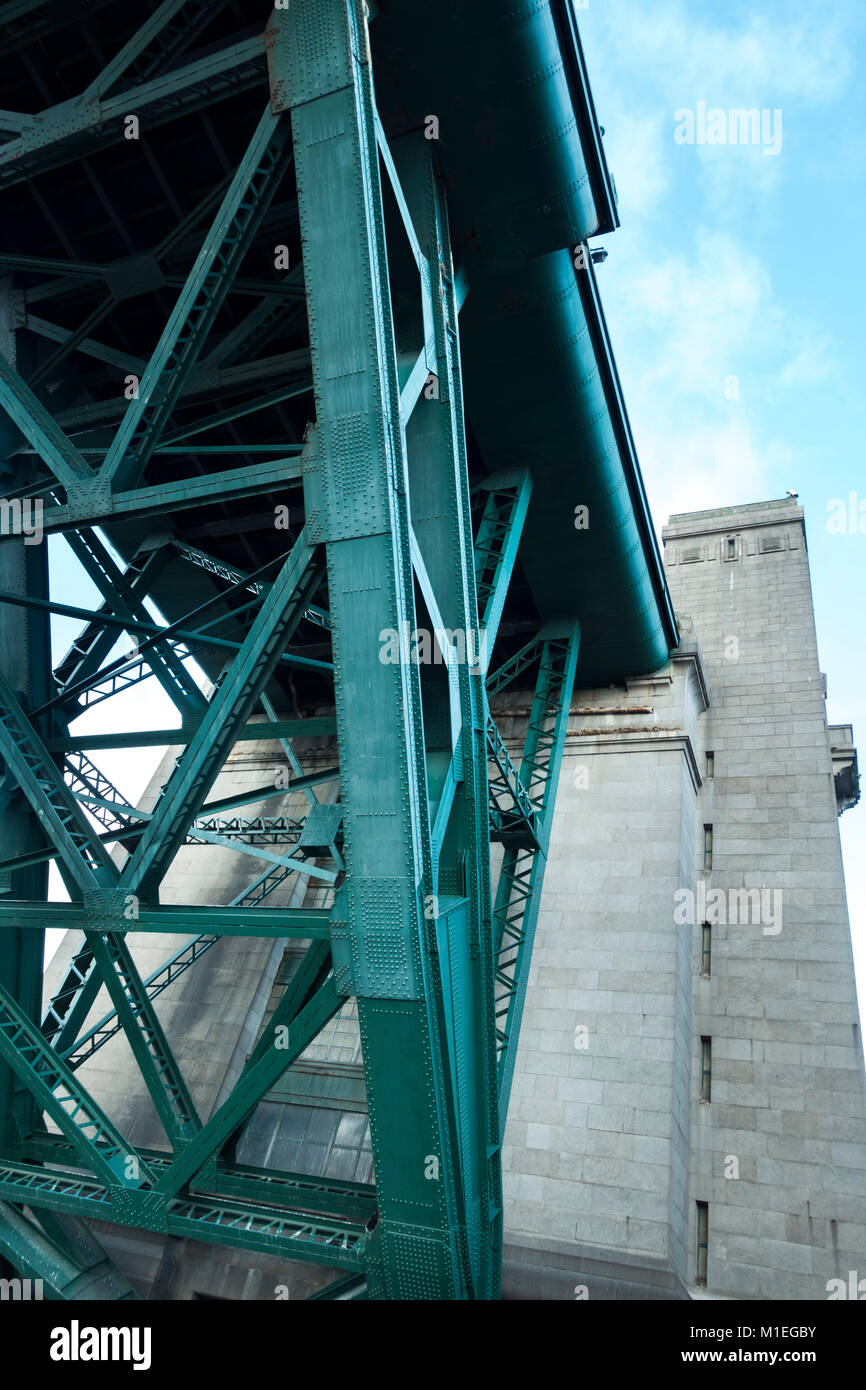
column 237, row 412
column 66, row 338
column 132, row 832
column 441, row 505
column 291, row 922
column 210, row 745
column 231, row 1222
column 91, row 647
column 431, row 1094
column 513, row 816
column 120, row 596
column 161, row 39
column 207, row 285
column 76, row 1115
column 205, row 380
column 137, row 1017
column 518, row 894
column 259, row 830
column 276, row 476
column 161, row 650
column 297, row 1191
column 290, row 862
column 72, row 340
column 37, row 424
column 259, row 325
column 63, row 1254
column 83, row 982
column 515, row 666
column 74, row 129
column 346, row 1289
column 93, row 872
column 324, row 727
column 70, row 1005
column 310, row 976
column 257, row 1078
column 91, row 787
column 80, row 848
column 504, row 502
column 104, row 958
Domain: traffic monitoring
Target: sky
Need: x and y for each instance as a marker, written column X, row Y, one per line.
column 734, row 288
column 734, row 296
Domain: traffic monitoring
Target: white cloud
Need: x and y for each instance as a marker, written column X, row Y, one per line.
column 813, row 361
column 701, row 343
column 799, row 53
column 650, row 60
column 694, row 467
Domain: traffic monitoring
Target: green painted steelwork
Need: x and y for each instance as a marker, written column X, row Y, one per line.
column 348, row 582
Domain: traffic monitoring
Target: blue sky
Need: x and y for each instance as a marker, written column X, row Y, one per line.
column 734, row 263
column 730, row 263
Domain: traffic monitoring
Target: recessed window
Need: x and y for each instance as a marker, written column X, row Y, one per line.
column 703, row 1232
column 706, row 1068
column 708, row 846
column 731, row 548
column 706, row 949
column 711, row 765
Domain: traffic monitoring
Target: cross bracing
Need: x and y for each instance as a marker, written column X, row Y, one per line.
column 242, row 348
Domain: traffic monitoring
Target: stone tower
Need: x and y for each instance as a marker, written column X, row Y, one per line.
column 690, row 1117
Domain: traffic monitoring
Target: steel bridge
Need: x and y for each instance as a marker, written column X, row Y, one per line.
column 301, row 342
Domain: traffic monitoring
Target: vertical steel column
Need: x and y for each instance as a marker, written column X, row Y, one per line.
column 26, row 664
column 442, row 523
column 356, row 490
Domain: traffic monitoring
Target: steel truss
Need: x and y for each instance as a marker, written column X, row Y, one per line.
column 393, row 540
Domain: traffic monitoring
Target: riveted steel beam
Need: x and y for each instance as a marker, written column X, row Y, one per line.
column 74, row 129
column 90, row 648
column 80, row 848
column 431, row 1100
column 39, row 426
column 440, row 499
column 207, row 285
column 279, row 615
column 257, row 1078
column 162, row 37
column 229, row 920
column 518, row 894
column 222, row 1221
column 76, row 1114
column 298, row 1191
column 63, row 1255
column 504, row 502
column 139, row 1021
column 275, row 476
column 120, row 596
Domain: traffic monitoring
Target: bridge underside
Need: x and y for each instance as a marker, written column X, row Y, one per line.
column 232, row 353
